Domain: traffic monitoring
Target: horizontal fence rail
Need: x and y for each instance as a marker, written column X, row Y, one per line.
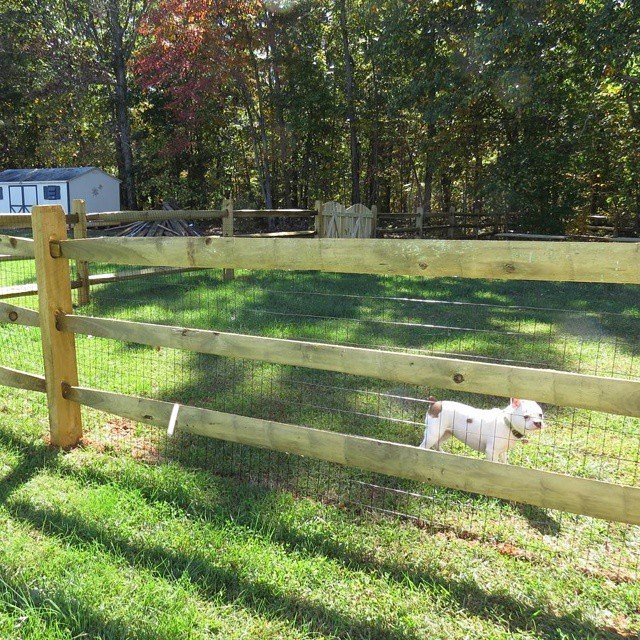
column 12, row 258
column 567, row 262
column 20, row 247
column 23, row 220
column 274, row 213
column 11, row 313
column 153, row 215
column 540, row 488
column 107, row 218
column 613, row 395
column 21, row 290
column 22, row 380
column 541, row 236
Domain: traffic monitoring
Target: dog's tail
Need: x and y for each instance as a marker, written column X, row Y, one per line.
column 435, row 408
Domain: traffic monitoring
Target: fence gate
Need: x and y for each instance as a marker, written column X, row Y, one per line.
column 354, row 222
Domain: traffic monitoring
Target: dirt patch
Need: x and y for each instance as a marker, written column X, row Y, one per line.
column 620, row 627
column 119, row 434
column 617, row 576
column 508, row 549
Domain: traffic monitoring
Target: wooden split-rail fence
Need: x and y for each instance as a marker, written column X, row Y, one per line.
column 79, row 221
column 330, row 219
column 573, row 262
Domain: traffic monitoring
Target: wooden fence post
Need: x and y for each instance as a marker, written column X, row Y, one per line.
column 227, row 232
column 374, row 220
column 79, row 208
column 319, row 219
column 451, row 231
column 420, row 219
column 59, row 348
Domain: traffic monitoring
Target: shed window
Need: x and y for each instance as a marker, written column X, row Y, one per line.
column 52, row 192
column 1, row 194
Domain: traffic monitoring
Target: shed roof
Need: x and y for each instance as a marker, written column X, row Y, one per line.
column 45, row 175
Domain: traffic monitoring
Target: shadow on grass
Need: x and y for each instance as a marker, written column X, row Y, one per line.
column 35, row 457
column 314, row 306
column 211, row 580
column 56, row 603
column 539, row 519
column 250, row 506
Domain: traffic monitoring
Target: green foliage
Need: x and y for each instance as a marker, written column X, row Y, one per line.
column 528, row 109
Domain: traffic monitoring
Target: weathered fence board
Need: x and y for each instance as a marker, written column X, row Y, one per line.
column 13, row 314
column 152, row 215
column 575, row 236
column 566, row 262
column 13, row 258
column 119, row 276
column 612, row 395
column 531, row 486
column 12, row 246
column 227, row 232
column 23, row 220
column 79, row 209
column 112, row 218
column 22, row 380
column 274, row 213
column 20, row 290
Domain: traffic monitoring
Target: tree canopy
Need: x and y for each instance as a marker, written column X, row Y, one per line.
column 527, row 108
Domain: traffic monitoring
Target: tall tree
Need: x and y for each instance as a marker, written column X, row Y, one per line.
column 108, row 31
column 350, row 99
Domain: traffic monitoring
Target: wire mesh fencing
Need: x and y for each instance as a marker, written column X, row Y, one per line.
column 573, row 327
column 531, row 324
column 21, row 346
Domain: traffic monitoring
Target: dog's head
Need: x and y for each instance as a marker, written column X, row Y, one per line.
column 525, row 415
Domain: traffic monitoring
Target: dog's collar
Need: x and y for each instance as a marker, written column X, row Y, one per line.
column 518, row 435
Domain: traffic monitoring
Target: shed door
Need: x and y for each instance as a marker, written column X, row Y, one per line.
column 22, row 197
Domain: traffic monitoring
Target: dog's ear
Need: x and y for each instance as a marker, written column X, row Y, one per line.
column 515, row 403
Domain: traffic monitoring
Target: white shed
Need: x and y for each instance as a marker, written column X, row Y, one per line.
column 20, row 189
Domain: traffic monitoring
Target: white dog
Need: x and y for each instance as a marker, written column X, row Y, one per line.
column 492, row 431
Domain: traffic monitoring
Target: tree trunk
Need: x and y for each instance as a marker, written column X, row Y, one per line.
column 264, row 139
column 476, row 206
column 278, row 100
column 121, row 110
column 259, row 138
column 430, row 160
column 349, row 92
column 372, row 182
column 427, row 194
column 446, row 185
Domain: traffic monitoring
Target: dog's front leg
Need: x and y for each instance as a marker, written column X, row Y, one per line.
column 433, row 434
column 492, row 454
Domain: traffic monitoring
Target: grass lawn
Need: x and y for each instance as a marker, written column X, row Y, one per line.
column 131, row 536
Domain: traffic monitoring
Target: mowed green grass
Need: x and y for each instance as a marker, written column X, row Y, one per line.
column 101, row 544
column 105, row 541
